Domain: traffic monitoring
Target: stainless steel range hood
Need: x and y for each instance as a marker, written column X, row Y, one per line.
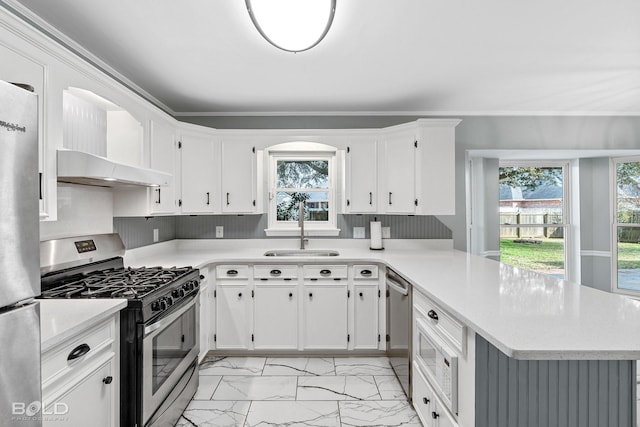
column 77, row 167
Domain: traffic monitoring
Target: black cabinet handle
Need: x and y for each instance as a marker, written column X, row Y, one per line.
column 310, row 295
column 360, row 294
column 366, row 272
column 390, row 198
column 79, row 351
column 290, row 294
column 107, row 380
column 370, row 198
column 434, row 415
column 227, row 199
column 433, row 315
column 425, row 401
column 275, row 272
column 325, row 272
column 40, row 179
column 208, row 198
column 158, row 201
column 239, row 294
column 232, row 272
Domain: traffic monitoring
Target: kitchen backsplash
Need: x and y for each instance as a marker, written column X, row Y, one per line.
column 138, row 231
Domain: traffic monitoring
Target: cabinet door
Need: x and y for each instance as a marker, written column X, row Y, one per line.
column 365, row 315
column 238, row 177
column 362, row 176
column 88, row 402
column 275, row 316
column 436, row 170
column 17, row 68
column 232, row 315
column 199, row 161
column 163, row 158
column 325, row 316
column 399, row 172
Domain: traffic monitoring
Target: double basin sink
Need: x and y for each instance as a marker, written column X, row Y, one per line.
column 301, row 252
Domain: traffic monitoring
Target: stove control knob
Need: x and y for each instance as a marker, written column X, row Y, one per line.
column 177, row 293
column 162, row 304
column 188, row 286
column 196, row 284
column 155, row 306
column 169, row 300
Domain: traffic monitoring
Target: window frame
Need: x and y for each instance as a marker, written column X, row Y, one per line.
column 312, row 228
column 615, row 224
column 567, row 224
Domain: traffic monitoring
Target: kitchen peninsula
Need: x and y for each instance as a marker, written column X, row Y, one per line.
column 537, row 348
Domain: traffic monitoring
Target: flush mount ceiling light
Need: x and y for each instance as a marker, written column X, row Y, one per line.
column 292, row 25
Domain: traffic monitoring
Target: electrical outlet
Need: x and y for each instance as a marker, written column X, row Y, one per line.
column 156, row 235
column 358, row 232
column 386, row 232
column 219, row 232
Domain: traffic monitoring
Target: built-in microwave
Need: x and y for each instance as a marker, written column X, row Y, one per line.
column 438, row 362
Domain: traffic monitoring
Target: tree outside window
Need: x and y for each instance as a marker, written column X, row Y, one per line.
column 627, row 224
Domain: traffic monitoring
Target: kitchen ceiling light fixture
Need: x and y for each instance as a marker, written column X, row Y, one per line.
column 292, row 25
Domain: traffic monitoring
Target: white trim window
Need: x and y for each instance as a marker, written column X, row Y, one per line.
column 307, row 177
column 535, row 225
column 626, row 225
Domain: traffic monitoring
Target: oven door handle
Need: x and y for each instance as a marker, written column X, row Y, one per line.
column 165, row 321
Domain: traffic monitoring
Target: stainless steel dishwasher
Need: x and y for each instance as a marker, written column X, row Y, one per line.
column 399, row 309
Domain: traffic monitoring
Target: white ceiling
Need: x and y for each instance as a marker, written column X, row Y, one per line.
column 424, row 57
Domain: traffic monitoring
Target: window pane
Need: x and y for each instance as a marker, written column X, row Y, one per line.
column 531, row 195
column 539, row 249
column 316, row 206
column 302, row 174
column 628, row 192
column 629, row 258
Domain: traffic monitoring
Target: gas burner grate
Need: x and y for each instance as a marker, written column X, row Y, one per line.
column 130, row 283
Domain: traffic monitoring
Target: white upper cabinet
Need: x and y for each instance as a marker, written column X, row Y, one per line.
column 239, row 180
column 199, row 178
column 399, row 165
column 435, row 178
column 162, row 200
column 361, row 176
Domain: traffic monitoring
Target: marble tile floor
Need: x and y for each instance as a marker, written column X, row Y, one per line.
column 304, row 391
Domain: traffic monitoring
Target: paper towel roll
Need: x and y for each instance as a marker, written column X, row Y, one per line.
column 376, row 235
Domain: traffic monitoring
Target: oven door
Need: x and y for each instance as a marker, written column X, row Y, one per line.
column 170, row 346
column 439, row 364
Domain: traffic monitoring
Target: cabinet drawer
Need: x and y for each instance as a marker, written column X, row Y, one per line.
column 275, row 271
column 232, row 271
column 325, row 271
column 430, row 409
column 365, row 271
column 445, row 324
column 88, row 345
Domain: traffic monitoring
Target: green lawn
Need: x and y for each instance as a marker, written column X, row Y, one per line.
column 546, row 256
column 549, row 254
column 628, row 255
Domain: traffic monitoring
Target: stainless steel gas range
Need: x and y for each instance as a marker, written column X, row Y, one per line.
column 158, row 328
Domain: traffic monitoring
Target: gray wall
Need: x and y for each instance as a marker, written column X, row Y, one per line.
column 136, row 231
column 595, row 230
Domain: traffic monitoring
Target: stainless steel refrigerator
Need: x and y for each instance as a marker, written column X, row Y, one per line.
column 20, row 383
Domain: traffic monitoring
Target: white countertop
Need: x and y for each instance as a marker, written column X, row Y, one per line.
column 63, row 318
column 525, row 314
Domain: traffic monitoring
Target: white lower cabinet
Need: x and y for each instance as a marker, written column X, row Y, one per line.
column 275, row 315
column 80, row 376
column 233, row 305
column 325, row 315
column 430, row 409
column 365, row 314
column 297, row 307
